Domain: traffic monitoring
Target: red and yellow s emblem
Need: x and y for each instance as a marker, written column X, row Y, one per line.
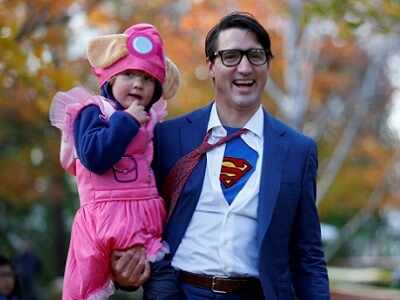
column 233, row 169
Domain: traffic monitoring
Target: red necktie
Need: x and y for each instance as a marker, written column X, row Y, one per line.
column 182, row 169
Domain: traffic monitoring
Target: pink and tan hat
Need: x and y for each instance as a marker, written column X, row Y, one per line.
column 140, row 47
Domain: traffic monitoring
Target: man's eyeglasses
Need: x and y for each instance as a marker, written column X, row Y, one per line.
column 233, row 57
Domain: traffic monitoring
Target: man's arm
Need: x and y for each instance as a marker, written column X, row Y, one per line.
column 307, row 262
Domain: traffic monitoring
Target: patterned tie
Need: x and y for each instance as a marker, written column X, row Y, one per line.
column 182, row 169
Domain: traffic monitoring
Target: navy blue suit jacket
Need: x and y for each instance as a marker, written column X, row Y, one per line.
column 291, row 264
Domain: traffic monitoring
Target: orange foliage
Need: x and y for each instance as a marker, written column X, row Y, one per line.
column 26, row 94
column 363, row 171
column 99, row 17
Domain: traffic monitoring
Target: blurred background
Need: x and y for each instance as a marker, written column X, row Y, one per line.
column 335, row 76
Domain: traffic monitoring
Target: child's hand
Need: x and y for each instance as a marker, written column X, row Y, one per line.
column 137, row 111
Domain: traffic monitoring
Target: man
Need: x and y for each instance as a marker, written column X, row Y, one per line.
column 245, row 225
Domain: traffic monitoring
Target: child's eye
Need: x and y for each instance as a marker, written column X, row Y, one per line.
column 128, row 74
column 131, row 75
column 147, row 78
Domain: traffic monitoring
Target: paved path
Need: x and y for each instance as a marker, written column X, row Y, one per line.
column 364, row 293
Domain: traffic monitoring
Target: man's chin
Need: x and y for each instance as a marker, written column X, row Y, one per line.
column 246, row 102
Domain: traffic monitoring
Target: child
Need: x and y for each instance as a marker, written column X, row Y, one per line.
column 9, row 288
column 107, row 145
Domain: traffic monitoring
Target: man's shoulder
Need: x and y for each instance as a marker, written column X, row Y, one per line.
column 296, row 137
column 185, row 119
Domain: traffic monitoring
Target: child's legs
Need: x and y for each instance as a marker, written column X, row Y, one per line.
column 163, row 283
column 87, row 272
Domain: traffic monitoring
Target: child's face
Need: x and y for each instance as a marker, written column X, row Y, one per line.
column 7, row 280
column 133, row 85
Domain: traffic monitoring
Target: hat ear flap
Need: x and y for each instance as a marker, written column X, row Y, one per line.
column 105, row 50
column 172, row 79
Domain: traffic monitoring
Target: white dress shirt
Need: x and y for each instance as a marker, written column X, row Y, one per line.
column 221, row 239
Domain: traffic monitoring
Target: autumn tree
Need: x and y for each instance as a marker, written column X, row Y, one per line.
column 329, row 78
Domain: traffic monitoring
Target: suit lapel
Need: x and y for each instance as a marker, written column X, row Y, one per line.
column 275, row 147
column 192, row 135
column 194, row 129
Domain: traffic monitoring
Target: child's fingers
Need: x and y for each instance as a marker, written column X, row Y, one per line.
column 135, row 103
column 142, row 117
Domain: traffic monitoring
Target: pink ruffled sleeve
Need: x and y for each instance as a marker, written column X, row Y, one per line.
column 64, row 108
column 158, row 112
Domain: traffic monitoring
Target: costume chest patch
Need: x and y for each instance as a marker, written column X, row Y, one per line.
column 233, row 169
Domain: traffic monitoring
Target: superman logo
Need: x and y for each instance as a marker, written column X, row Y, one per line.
column 233, row 169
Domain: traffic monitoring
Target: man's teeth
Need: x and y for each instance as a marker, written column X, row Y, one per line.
column 243, row 82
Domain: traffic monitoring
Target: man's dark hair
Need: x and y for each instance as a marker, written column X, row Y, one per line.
column 240, row 20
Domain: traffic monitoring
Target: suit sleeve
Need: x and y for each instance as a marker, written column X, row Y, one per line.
column 101, row 143
column 308, row 263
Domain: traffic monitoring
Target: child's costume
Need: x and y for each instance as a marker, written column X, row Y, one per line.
column 121, row 207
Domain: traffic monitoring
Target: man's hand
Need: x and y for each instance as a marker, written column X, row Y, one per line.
column 137, row 111
column 130, row 267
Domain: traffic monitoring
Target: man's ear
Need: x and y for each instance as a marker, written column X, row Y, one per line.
column 211, row 68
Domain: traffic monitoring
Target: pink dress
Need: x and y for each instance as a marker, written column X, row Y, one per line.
column 118, row 209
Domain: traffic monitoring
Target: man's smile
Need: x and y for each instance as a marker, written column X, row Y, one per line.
column 243, row 82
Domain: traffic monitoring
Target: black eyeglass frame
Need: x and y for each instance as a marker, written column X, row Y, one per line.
column 220, row 53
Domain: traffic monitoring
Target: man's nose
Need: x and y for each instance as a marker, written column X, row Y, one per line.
column 244, row 66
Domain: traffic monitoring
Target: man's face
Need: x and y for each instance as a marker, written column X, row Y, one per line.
column 238, row 87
